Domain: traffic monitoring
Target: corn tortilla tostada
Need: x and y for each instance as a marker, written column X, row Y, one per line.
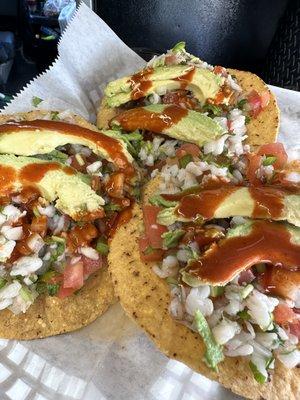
column 62, row 188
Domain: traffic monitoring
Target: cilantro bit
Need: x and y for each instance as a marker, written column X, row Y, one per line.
column 185, row 160
column 212, row 110
column 102, row 247
column 269, row 160
column 112, row 207
column 241, row 103
column 216, row 291
column 54, row 116
column 36, row 101
column 2, row 282
column 52, row 288
column 148, row 250
column 244, row 315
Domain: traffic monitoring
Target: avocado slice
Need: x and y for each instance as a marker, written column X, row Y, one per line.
column 28, row 138
column 246, row 245
column 176, row 122
column 56, row 182
column 203, row 84
column 274, row 203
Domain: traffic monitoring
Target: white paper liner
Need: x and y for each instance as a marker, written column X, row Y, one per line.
column 112, row 358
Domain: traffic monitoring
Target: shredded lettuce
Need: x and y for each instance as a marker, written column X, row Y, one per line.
column 102, row 247
column 212, row 110
column 54, row 155
column 171, row 238
column 259, row 376
column 269, row 160
column 185, row 160
column 3, row 282
column 158, row 200
column 132, row 140
column 216, row 291
column 178, row 47
column 169, row 216
column 244, row 315
column 26, row 294
column 189, row 279
column 213, row 354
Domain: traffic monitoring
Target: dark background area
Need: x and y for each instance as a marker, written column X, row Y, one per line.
column 262, row 36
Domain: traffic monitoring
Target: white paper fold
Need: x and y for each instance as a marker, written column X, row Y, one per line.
column 112, row 358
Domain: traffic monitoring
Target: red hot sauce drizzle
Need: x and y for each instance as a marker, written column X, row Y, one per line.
column 112, row 146
column 205, row 203
column 140, row 83
column 268, row 201
column 7, row 177
column 139, row 118
column 186, row 79
column 278, row 281
column 35, row 172
column 267, row 242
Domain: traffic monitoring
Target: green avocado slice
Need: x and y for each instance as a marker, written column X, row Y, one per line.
column 254, row 242
column 176, row 122
column 28, row 138
column 268, row 202
column 56, row 182
column 202, row 83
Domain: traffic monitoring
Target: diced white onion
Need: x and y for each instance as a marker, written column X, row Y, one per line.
column 290, row 360
column 225, row 330
column 12, row 233
column 89, row 252
column 26, row 265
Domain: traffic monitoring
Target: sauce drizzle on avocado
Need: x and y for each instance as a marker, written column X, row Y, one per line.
column 112, row 146
column 267, row 242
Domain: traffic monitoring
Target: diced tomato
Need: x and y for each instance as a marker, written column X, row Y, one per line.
column 90, row 266
column 255, row 103
column 65, row 292
column 115, row 185
column 151, row 254
column 229, row 124
column 220, row 96
column 81, row 235
column 265, row 98
column 170, row 59
column 158, row 165
column 254, row 164
column 152, row 228
column 246, row 276
column 284, row 314
column 73, row 276
column 295, row 328
column 188, row 148
column 220, row 70
column 277, row 150
column 39, row 225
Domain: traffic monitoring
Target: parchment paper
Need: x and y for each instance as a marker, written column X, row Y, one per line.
column 112, row 358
